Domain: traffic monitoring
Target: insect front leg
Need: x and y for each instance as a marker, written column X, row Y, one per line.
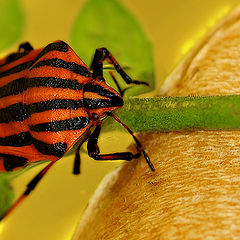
column 102, row 54
column 93, row 149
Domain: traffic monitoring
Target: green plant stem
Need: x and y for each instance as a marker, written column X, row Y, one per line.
column 180, row 113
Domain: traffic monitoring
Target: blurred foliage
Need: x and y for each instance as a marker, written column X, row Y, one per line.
column 11, row 22
column 7, row 194
column 11, row 27
column 104, row 23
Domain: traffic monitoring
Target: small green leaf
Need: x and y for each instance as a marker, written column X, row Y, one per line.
column 11, row 22
column 6, row 191
column 180, row 113
column 7, row 194
column 104, row 23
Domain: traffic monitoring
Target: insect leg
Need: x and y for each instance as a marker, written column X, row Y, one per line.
column 93, row 150
column 139, row 145
column 29, row 189
column 26, row 46
column 76, row 166
column 97, row 67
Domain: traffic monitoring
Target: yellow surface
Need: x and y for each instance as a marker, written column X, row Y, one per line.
column 55, row 207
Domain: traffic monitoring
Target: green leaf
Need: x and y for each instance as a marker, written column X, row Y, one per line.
column 7, row 194
column 11, row 22
column 6, row 191
column 104, row 23
column 180, row 113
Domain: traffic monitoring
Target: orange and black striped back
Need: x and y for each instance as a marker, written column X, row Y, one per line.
column 41, row 104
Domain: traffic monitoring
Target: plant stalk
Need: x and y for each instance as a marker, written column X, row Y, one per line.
column 180, row 113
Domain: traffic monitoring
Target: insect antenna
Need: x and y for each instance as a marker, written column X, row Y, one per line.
column 139, row 145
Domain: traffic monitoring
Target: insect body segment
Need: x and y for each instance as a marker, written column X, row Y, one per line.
column 49, row 100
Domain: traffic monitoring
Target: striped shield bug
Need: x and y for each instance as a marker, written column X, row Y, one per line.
column 49, row 101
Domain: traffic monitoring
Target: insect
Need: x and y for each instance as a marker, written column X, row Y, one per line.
column 49, row 101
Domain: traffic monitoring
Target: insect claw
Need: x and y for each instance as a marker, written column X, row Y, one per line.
column 148, row 161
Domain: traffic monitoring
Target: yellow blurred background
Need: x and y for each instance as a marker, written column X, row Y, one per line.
column 55, row 207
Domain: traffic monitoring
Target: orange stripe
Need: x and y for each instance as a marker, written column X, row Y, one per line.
column 28, row 152
column 29, row 57
column 12, row 128
column 94, row 95
column 69, row 136
column 7, row 79
column 9, row 100
column 55, row 115
column 48, row 71
column 38, row 94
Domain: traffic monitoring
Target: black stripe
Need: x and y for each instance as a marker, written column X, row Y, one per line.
column 99, row 90
column 11, row 161
column 25, row 139
column 90, row 103
column 13, row 88
column 56, row 126
column 19, row 111
column 17, row 69
column 57, row 149
column 15, row 112
column 53, row 82
column 53, row 104
column 13, row 57
column 56, row 46
column 59, row 63
column 21, row 84
column 18, row 140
